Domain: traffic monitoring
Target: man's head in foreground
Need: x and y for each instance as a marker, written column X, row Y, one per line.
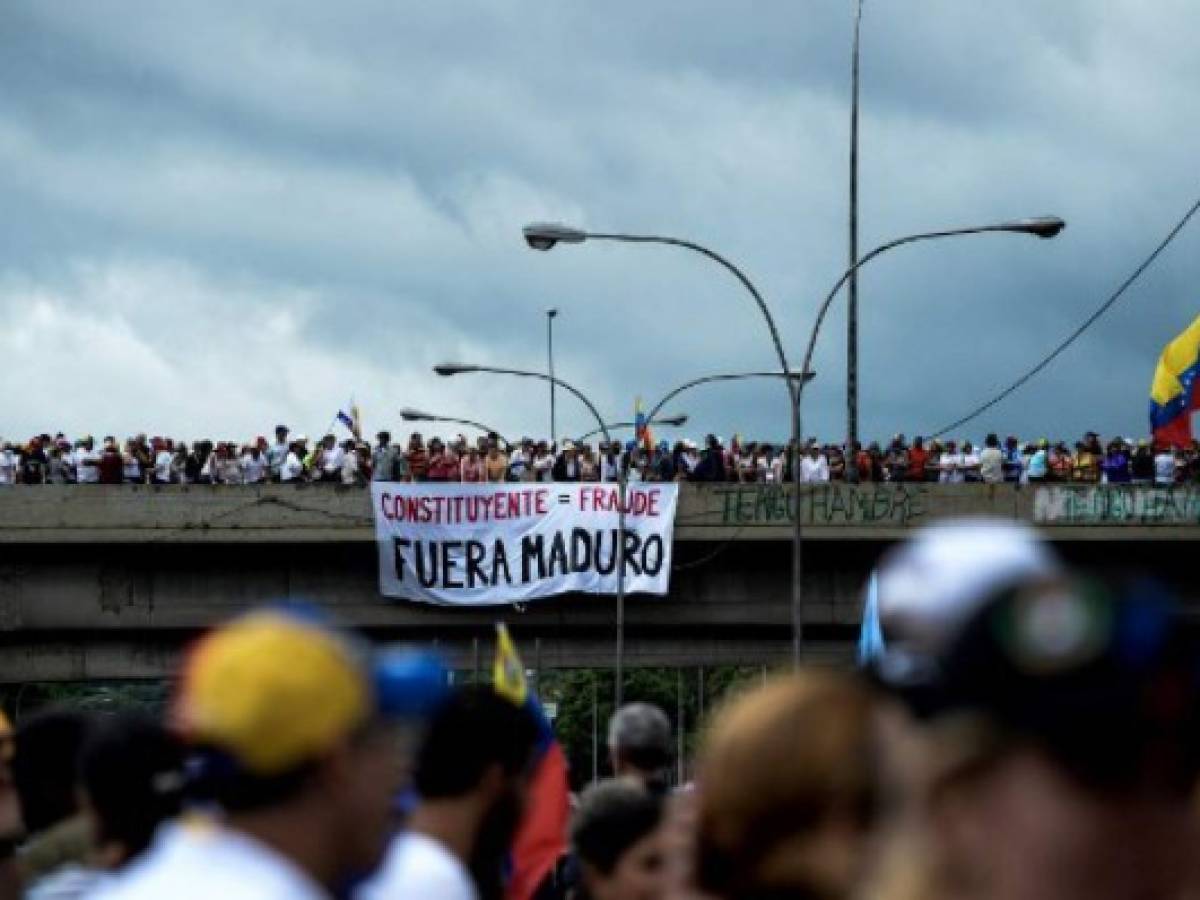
column 292, row 730
column 639, row 743
column 1051, row 742
column 472, row 776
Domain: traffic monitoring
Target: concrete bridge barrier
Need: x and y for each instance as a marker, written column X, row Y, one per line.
column 109, row 582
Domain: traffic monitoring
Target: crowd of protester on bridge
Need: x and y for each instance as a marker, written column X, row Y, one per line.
column 1026, row 732
column 489, row 458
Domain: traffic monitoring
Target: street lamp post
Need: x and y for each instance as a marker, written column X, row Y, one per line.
column 1042, row 227
column 550, row 316
column 735, row 376
column 408, row 414
column 852, row 284
column 546, row 236
column 447, row 369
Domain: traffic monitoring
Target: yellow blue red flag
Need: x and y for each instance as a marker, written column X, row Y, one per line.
column 508, row 673
column 641, row 425
column 541, row 838
column 1172, row 393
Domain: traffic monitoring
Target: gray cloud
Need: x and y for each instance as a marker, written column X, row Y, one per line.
column 238, row 213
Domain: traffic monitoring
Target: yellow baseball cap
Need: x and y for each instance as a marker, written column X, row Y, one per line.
column 273, row 690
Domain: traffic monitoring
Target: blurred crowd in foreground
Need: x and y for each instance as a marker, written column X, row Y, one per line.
column 293, row 458
column 1025, row 731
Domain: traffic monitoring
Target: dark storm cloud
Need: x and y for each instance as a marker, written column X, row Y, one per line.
column 355, row 177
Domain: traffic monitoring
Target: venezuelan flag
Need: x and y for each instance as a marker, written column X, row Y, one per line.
column 542, row 835
column 1172, row 394
column 641, row 427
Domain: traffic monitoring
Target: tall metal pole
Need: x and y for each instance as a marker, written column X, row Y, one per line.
column 543, row 237
column 595, row 729
column 550, row 314
column 793, row 390
column 537, row 667
column 1043, row 228
column 852, row 284
column 619, row 550
column 621, row 482
column 679, row 726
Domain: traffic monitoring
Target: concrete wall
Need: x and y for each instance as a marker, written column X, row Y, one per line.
column 100, row 582
column 325, row 513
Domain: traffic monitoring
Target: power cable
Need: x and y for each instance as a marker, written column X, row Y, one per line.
column 1091, row 320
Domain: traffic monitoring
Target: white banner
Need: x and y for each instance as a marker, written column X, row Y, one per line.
column 489, row 544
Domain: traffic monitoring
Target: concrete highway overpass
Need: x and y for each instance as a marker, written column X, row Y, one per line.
column 111, row 582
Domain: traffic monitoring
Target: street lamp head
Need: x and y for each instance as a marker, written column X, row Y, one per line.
column 551, row 312
column 408, row 414
column 445, row 369
column 674, row 421
column 544, row 235
column 1041, row 226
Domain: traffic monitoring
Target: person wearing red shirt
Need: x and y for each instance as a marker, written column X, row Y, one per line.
column 918, row 458
column 418, row 459
column 443, row 464
column 864, row 463
column 111, row 465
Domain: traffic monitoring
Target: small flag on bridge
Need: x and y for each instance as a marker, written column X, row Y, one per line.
column 351, row 421
column 642, row 432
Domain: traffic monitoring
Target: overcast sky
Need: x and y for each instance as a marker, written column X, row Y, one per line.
column 220, row 216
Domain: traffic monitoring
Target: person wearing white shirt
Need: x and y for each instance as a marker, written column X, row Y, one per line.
column 8, row 464
column 162, row 465
column 332, row 455
column 518, row 463
column 349, row 472
column 305, row 805
column 87, row 462
column 254, row 465
column 199, row 858
column 208, row 471
column 472, row 784
column 428, row 869
column 131, row 468
column 991, row 461
column 777, row 466
column 814, row 467
column 1164, row 467
column 971, row 463
column 543, row 464
column 293, row 466
column 610, row 464
column 277, row 452
column 744, row 465
column 228, row 466
column 951, row 465
column 690, row 457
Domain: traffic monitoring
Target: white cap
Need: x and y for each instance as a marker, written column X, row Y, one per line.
column 933, row 583
column 300, row 439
